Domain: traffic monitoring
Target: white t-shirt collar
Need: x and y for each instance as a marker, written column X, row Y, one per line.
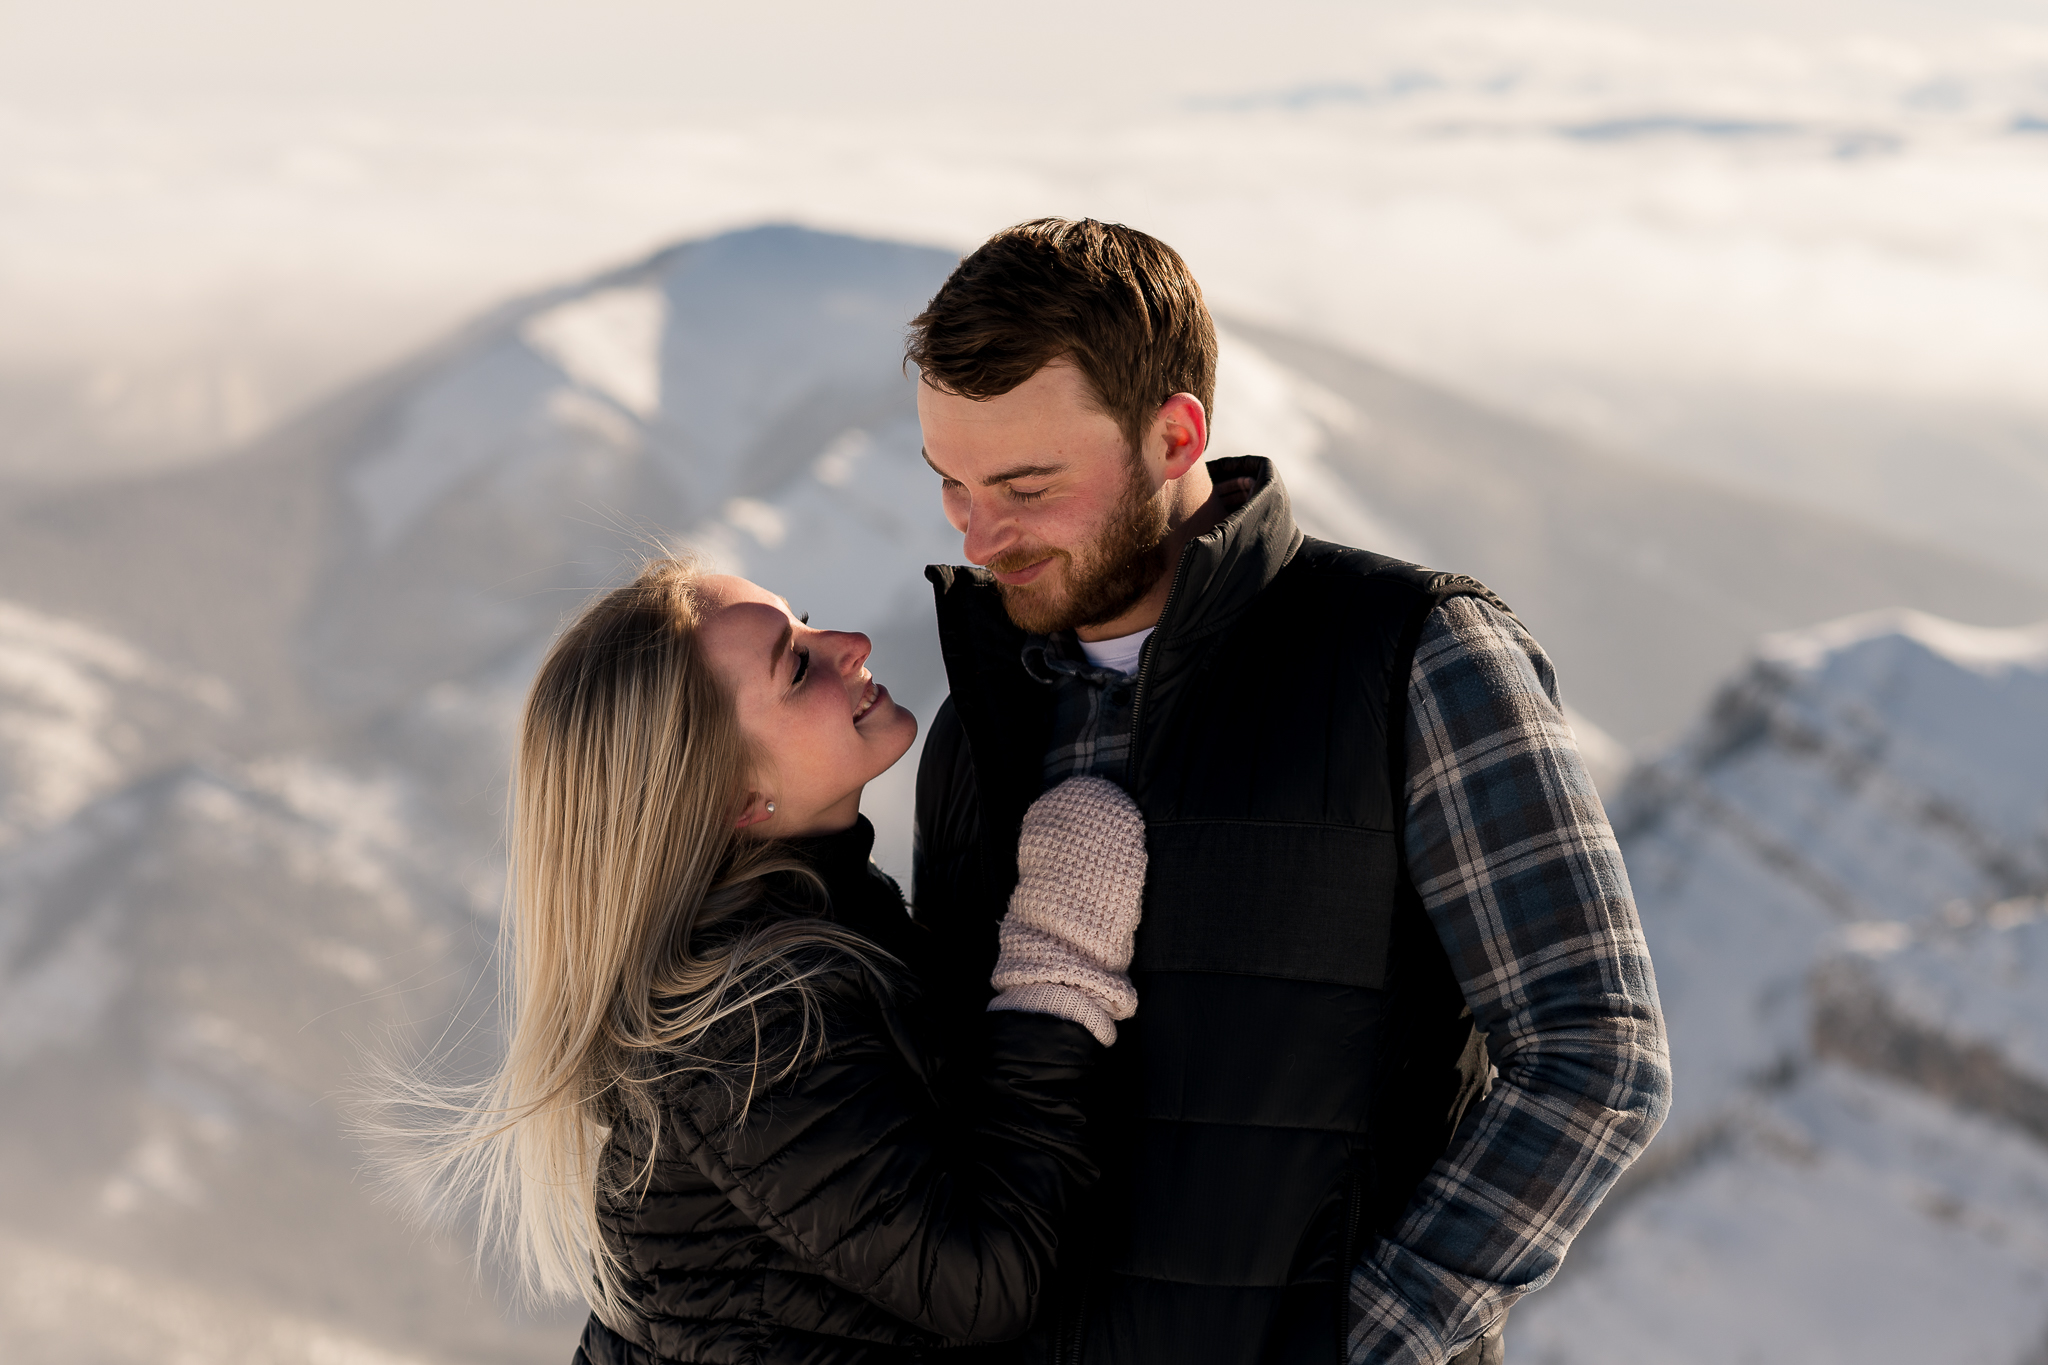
column 1121, row 653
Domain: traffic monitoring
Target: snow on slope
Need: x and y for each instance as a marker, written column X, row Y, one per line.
column 1842, row 1221
column 82, row 713
column 58, row 1306
column 1265, row 408
column 609, row 341
column 1839, row 873
column 740, row 398
column 1870, row 773
column 1958, row 1009
column 188, row 969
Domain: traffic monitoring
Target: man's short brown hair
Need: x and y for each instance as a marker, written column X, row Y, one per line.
column 1119, row 304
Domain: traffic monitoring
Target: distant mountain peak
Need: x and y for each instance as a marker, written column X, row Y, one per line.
column 1988, row 649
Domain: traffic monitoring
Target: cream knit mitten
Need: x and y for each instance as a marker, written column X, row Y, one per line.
column 1066, row 942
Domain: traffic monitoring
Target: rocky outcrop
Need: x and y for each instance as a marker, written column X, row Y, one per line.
column 1840, row 872
column 1857, row 1024
column 1957, row 1010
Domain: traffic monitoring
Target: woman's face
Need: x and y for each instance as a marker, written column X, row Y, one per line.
column 821, row 726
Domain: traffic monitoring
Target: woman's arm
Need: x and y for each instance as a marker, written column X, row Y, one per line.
column 947, row 1221
column 948, row 1217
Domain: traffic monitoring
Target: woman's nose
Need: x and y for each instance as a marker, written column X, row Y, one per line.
column 852, row 649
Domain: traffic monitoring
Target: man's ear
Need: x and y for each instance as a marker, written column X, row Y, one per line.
column 756, row 809
column 1183, row 424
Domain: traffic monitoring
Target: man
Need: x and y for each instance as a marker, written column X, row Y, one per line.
column 1378, row 868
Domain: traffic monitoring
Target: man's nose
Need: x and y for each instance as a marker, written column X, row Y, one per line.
column 987, row 533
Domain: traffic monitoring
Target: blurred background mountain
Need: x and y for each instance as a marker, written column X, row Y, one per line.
column 1713, row 347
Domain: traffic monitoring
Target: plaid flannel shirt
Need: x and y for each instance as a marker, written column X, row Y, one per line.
column 1517, row 866
column 1091, row 711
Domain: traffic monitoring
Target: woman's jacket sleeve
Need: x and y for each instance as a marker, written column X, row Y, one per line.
column 942, row 1213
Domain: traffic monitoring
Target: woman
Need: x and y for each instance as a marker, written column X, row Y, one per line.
column 723, row 1116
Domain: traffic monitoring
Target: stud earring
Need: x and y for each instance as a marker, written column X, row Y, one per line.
column 771, row 808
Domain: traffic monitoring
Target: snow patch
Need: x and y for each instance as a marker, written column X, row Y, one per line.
column 484, row 409
column 1984, row 983
column 1989, row 650
column 837, row 462
column 1844, row 1222
column 577, row 412
column 758, row 519
column 608, row 341
column 1265, row 408
column 75, row 707
column 55, row 1305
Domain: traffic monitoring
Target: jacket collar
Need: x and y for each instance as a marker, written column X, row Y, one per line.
column 841, row 857
column 1218, row 575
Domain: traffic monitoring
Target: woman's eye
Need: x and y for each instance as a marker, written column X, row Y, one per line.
column 803, row 666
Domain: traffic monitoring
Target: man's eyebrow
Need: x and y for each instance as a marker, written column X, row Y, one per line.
column 1022, row 471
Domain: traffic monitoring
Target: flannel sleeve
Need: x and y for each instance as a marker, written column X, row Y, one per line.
column 1518, row 868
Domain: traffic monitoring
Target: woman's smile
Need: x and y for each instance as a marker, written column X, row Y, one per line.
column 871, row 692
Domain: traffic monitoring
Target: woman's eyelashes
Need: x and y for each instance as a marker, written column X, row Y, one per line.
column 803, row 666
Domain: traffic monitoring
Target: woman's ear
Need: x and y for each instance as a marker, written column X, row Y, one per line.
column 756, row 809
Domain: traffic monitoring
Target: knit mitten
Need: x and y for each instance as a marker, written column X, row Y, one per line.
column 1066, row 941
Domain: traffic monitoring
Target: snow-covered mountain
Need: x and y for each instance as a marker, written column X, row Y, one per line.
column 1842, row 874
column 207, row 886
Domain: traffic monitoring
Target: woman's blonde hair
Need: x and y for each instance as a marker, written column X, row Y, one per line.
column 623, row 951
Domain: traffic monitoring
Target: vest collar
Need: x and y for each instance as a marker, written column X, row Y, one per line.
column 1224, row 568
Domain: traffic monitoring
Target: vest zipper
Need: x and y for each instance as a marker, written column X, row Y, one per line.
column 1145, row 668
column 1354, row 1213
column 1066, row 1346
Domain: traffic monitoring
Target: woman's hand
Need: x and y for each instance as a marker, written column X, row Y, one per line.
column 1066, row 941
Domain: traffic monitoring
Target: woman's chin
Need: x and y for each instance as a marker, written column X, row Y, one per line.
column 890, row 730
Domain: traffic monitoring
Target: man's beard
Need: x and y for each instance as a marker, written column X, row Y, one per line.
column 1121, row 567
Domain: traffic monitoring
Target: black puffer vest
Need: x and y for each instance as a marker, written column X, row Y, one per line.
column 1301, row 1053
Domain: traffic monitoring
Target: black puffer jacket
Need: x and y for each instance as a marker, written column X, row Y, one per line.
column 894, row 1202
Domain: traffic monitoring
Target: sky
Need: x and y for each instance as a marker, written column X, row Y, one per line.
column 801, row 56
column 1704, row 233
